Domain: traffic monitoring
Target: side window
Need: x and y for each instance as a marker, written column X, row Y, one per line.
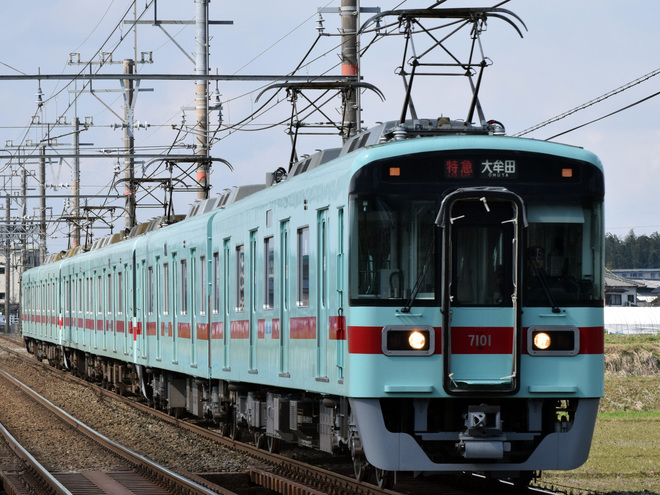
column 120, row 293
column 99, row 294
column 183, row 289
column 202, row 285
column 269, row 273
column 150, row 290
column 216, row 283
column 109, row 294
column 303, row 267
column 240, row 278
column 166, row 288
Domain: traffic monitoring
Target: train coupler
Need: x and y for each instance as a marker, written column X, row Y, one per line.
column 483, row 438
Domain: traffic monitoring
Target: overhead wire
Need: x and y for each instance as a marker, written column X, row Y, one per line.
column 590, row 103
column 605, row 116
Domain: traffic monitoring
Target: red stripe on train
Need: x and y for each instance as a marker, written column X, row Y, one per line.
column 368, row 340
column 302, row 328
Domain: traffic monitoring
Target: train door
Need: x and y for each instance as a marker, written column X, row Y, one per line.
column 117, row 293
column 105, row 307
column 480, row 289
column 68, row 310
column 192, row 288
column 322, row 316
column 284, row 299
column 132, row 310
column 124, row 279
column 339, row 269
column 226, row 277
column 176, row 296
column 160, row 290
column 97, row 310
column 252, row 275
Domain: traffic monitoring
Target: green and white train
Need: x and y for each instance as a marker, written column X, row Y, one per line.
column 428, row 298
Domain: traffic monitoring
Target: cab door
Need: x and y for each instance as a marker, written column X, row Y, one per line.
column 481, row 314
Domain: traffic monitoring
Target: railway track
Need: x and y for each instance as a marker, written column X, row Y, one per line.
column 58, row 454
column 281, row 473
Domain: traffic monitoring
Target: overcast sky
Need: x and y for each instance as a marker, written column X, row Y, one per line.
column 571, row 53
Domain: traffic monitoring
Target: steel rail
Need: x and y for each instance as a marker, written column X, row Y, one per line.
column 26, row 457
column 127, row 454
column 339, row 483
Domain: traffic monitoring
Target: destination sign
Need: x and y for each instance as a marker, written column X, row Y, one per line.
column 484, row 168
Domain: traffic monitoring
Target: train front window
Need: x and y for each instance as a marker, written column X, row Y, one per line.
column 392, row 249
column 562, row 258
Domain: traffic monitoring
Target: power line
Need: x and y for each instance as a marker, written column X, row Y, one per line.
column 603, row 97
column 605, row 116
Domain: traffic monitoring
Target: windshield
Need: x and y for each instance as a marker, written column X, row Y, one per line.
column 482, row 253
column 563, row 260
column 392, row 240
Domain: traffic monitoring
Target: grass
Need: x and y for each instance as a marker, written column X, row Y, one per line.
column 625, row 452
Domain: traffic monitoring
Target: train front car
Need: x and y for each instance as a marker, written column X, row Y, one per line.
column 475, row 327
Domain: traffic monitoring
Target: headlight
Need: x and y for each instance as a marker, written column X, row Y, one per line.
column 541, row 340
column 408, row 340
column 553, row 341
column 417, row 340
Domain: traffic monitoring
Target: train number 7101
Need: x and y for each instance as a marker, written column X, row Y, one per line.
column 479, row 340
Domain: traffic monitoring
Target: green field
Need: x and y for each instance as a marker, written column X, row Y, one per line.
column 625, row 453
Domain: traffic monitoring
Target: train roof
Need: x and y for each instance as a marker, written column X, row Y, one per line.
column 382, row 133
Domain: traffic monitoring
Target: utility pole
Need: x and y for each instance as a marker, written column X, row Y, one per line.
column 7, row 259
column 42, row 205
column 129, row 146
column 202, row 95
column 75, row 184
column 350, row 14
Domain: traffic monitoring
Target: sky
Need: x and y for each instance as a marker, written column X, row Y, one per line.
column 571, row 53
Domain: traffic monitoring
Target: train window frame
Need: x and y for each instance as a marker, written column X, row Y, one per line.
column 562, row 255
column 393, row 241
column 166, row 288
column 216, row 283
column 150, row 290
column 202, row 284
column 120, row 293
column 99, row 296
column 88, row 299
column 269, row 273
column 109, row 291
column 240, row 278
column 183, row 287
column 302, row 264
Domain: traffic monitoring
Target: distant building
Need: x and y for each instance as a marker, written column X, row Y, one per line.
column 18, row 263
column 638, row 273
column 619, row 291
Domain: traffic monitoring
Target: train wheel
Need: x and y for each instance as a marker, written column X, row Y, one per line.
column 259, row 440
column 235, row 429
column 521, row 483
column 384, row 479
column 360, row 467
column 273, row 444
column 225, row 429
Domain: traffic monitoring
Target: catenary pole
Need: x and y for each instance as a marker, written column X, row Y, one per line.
column 129, row 146
column 42, row 205
column 350, row 11
column 7, row 261
column 75, row 184
column 201, row 95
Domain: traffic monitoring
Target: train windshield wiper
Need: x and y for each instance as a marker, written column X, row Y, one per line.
column 420, row 279
column 543, row 280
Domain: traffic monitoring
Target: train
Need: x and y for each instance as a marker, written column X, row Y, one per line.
column 428, row 298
